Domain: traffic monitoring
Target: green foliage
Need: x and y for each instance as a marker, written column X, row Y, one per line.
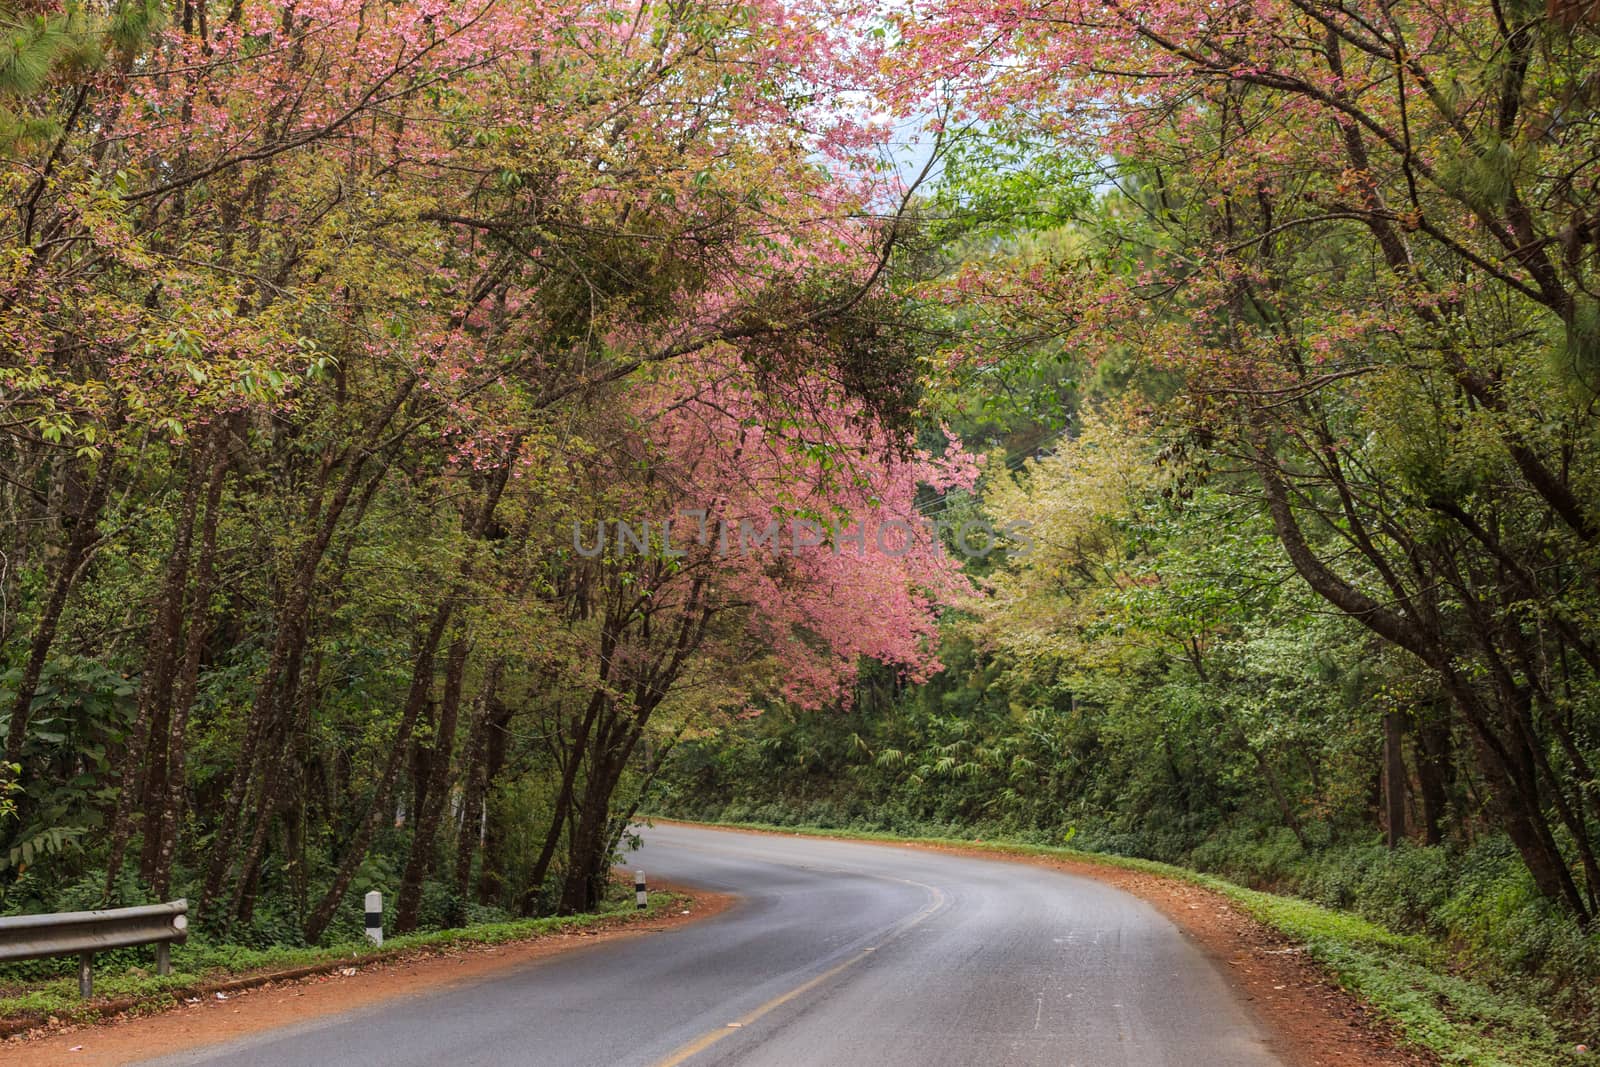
column 997, row 186
column 1581, row 356
column 70, row 41
column 51, row 840
column 9, row 787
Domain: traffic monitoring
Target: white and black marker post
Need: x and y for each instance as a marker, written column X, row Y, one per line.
column 375, row 917
column 640, row 897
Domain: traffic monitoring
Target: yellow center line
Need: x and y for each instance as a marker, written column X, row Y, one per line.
column 711, row 1037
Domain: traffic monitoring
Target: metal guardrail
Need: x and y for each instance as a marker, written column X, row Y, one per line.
column 83, row 933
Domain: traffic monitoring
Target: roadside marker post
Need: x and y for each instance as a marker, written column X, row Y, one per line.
column 375, row 917
column 640, row 897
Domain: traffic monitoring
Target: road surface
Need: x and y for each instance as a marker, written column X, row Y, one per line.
column 838, row 953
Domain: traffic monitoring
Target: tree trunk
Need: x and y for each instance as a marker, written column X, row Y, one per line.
column 1508, row 774
column 82, row 533
column 433, row 797
column 1394, row 778
column 1435, row 770
column 291, row 628
column 421, row 685
column 431, row 805
column 188, row 680
column 587, row 856
column 275, row 799
column 157, row 770
column 149, row 734
column 1274, row 786
column 564, row 799
column 475, row 785
column 421, row 763
column 491, row 873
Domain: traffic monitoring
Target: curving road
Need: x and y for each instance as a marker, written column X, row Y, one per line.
column 838, row 953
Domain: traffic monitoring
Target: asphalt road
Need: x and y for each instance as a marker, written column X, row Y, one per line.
column 839, row 953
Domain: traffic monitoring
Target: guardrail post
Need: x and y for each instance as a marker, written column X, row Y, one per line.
column 86, row 975
column 375, row 917
column 164, row 959
column 640, row 897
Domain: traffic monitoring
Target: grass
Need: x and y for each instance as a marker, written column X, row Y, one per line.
column 1411, row 981
column 197, row 965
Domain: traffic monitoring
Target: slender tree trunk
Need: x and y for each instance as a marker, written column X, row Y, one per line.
column 1394, row 778
column 421, row 685
column 157, row 769
column 1175, row 773
column 1435, row 771
column 1269, row 775
column 431, row 805
column 1514, row 794
column 475, row 785
column 564, row 799
column 288, row 735
column 588, row 864
column 584, row 884
column 613, row 746
column 243, row 908
column 275, row 799
column 291, row 627
column 188, row 678
column 356, row 851
column 261, row 776
column 82, row 532
column 421, row 762
column 491, row 873
column 653, row 764
column 155, row 684
column 1513, row 786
